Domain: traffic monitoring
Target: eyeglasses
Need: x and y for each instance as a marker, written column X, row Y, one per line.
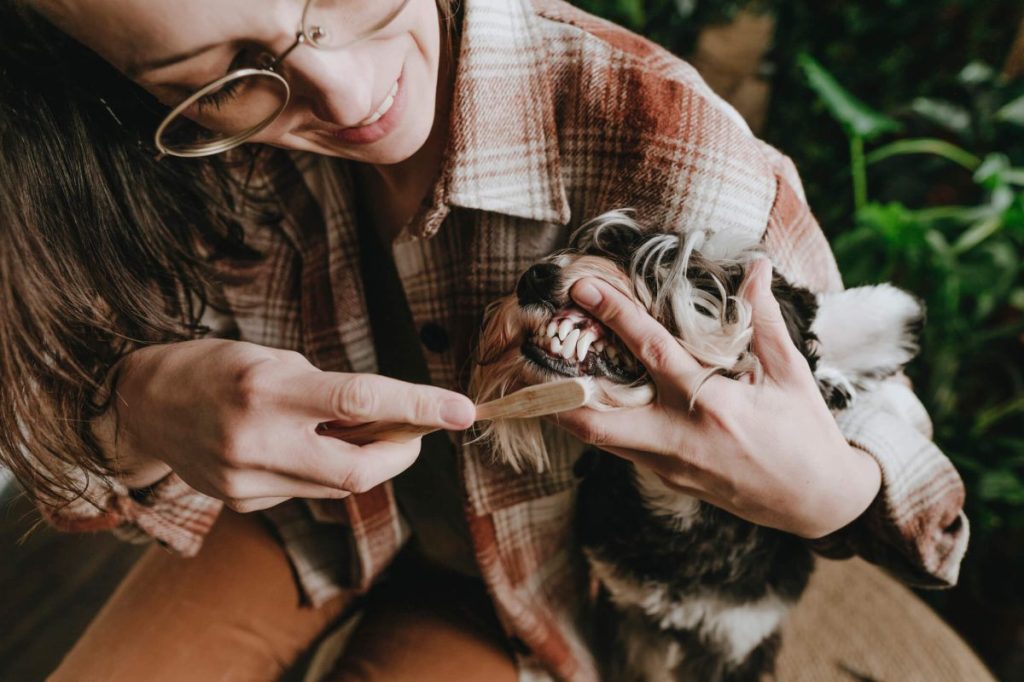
column 226, row 112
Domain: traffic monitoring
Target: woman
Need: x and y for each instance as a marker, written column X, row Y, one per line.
column 427, row 167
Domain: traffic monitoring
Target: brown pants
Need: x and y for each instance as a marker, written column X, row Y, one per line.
column 233, row 613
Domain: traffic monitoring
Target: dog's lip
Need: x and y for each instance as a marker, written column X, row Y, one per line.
column 541, row 357
column 593, row 365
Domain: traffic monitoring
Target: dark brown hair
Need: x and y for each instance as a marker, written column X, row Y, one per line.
column 102, row 248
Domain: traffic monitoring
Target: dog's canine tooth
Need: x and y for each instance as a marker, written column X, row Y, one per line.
column 583, row 345
column 569, row 344
column 556, row 345
column 564, row 327
column 552, row 328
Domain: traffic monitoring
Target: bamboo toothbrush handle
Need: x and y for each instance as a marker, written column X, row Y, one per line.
column 532, row 401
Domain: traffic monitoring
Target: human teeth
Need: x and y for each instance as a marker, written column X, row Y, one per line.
column 556, row 345
column 552, row 328
column 569, row 345
column 384, row 106
column 564, row 328
column 583, row 345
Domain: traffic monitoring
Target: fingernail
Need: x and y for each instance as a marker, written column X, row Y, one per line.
column 458, row 413
column 586, row 294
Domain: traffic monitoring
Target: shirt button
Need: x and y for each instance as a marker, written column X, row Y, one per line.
column 434, row 337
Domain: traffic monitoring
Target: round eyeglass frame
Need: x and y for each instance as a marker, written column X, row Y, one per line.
column 311, row 35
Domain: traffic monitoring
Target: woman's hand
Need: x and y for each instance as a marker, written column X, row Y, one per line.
column 239, row 422
column 769, row 453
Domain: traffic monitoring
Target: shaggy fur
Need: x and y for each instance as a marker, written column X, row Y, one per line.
column 688, row 591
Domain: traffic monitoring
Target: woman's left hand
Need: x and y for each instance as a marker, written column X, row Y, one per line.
column 769, row 453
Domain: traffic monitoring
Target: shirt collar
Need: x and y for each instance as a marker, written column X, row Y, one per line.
column 502, row 151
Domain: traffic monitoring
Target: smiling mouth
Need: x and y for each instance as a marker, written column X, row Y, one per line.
column 573, row 344
column 385, row 107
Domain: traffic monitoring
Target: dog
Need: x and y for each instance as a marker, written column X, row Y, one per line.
column 687, row 591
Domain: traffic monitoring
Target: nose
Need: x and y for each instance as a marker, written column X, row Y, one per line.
column 338, row 88
column 537, row 285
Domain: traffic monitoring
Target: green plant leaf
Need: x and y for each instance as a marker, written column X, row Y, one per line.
column 925, row 145
column 977, row 233
column 1012, row 112
column 976, row 73
column 989, row 417
column 990, row 172
column 1016, row 298
column 952, row 117
column 959, row 214
column 1001, row 485
column 856, row 117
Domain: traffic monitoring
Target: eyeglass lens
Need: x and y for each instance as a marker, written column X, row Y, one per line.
column 236, row 105
column 228, row 111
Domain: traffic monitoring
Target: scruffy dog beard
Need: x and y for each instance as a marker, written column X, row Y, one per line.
column 688, row 591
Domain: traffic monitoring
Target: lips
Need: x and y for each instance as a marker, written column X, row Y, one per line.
column 377, row 125
column 573, row 344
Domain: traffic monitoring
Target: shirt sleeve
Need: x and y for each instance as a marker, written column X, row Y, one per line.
column 169, row 512
column 915, row 528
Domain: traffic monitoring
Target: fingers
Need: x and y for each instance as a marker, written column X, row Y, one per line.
column 246, row 485
column 339, row 465
column 361, row 398
column 650, row 342
column 254, row 504
column 771, row 341
column 641, row 428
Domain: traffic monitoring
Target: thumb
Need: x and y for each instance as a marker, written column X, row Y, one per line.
column 771, row 341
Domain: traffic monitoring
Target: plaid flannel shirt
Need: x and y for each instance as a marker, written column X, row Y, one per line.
column 557, row 117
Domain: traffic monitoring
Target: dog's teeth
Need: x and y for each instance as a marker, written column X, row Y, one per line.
column 552, row 328
column 599, row 346
column 556, row 345
column 613, row 353
column 564, row 328
column 569, row 345
column 583, row 345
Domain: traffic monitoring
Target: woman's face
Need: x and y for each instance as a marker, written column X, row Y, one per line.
column 174, row 47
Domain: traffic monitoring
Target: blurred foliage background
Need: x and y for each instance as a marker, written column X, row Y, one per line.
column 906, row 121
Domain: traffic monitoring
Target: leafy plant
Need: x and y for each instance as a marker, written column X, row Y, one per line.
column 964, row 259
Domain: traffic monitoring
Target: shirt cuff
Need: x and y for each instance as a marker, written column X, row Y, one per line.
column 915, row 528
column 169, row 511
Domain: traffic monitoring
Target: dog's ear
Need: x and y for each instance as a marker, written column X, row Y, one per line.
column 614, row 235
column 865, row 334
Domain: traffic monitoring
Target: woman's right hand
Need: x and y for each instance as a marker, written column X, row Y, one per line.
column 238, row 422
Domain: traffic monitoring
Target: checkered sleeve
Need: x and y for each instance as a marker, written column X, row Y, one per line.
column 915, row 527
column 169, row 512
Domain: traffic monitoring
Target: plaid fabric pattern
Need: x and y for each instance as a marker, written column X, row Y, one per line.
column 557, row 117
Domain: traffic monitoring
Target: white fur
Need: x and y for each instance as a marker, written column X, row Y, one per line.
column 679, row 509
column 737, row 627
column 864, row 334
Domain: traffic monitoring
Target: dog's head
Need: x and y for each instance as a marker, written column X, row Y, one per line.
column 688, row 282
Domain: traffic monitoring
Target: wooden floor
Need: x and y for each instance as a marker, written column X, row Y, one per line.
column 51, row 585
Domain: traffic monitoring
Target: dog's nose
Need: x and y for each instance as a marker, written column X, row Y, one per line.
column 537, row 285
